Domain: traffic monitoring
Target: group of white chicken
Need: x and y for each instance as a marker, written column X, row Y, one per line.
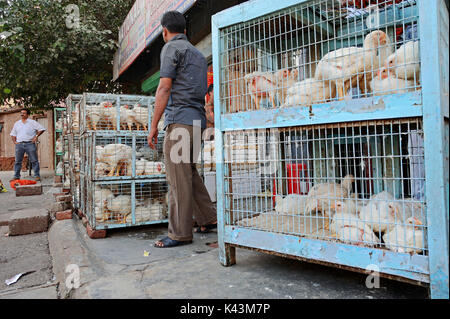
column 111, row 159
column 103, row 116
column 374, row 68
column 118, row 208
column 399, row 222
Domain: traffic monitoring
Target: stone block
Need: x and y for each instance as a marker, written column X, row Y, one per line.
column 4, row 219
column 94, row 233
column 59, row 194
column 59, row 207
column 29, row 190
column 28, row 221
column 64, row 215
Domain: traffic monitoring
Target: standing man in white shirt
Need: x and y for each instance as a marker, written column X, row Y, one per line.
column 24, row 135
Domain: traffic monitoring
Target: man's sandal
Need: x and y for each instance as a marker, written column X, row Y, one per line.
column 207, row 228
column 167, row 242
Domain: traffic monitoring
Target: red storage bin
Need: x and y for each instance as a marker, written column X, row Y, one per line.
column 297, row 178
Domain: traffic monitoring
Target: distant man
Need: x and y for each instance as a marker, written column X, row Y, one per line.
column 24, row 135
column 181, row 96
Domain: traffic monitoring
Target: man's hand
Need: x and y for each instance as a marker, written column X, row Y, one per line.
column 152, row 138
column 15, row 143
column 34, row 140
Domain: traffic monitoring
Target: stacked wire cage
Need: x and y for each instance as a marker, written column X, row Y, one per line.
column 58, row 118
column 73, row 133
column 123, row 181
column 66, row 156
column 332, row 117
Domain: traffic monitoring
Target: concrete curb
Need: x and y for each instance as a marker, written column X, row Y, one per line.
column 67, row 247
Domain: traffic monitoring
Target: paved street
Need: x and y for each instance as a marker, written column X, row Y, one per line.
column 25, row 253
column 126, row 265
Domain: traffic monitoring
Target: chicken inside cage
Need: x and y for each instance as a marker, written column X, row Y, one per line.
column 360, row 183
column 318, row 52
column 110, row 112
column 113, row 203
column 114, row 157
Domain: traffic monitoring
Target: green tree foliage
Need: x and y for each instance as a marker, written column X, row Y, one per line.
column 46, row 53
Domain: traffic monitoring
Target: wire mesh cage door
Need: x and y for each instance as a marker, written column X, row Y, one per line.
column 352, row 81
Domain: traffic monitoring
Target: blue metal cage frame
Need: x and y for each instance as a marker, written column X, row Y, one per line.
column 430, row 105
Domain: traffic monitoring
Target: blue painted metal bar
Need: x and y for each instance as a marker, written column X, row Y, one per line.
column 218, row 140
column 433, row 124
column 414, row 267
column 373, row 108
column 250, row 10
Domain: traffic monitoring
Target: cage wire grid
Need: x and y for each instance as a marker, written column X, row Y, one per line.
column 112, row 112
column 291, row 181
column 127, row 203
column 318, row 52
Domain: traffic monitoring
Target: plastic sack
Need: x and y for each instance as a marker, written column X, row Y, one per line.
column 21, row 182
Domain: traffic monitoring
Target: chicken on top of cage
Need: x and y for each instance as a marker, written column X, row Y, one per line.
column 356, row 59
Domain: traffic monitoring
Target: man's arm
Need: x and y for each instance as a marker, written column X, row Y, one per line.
column 39, row 130
column 39, row 133
column 161, row 99
column 14, row 134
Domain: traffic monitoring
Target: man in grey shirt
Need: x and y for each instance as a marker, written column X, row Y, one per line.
column 181, row 96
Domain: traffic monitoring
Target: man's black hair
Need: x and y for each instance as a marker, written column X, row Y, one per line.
column 174, row 21
column 25, row 109
column 210, row 88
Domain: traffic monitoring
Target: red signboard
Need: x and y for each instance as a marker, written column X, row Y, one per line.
column 141, row 27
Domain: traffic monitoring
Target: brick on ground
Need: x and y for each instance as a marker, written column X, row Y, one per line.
column 29, row 190
column 4, row 219
column 95, row 233
column 28, row 221
column 64, row 215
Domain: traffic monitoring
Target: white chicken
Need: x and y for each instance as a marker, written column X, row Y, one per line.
column 406, row 238
column 140, row 116
column 405, row 62
column 380, row 212
column 115, row 155
column 261, row 85
column 285, row 79
column 127, row 117
column 350, row 229
column 161, row 123
column 309, row 91
column 140, row 167
column 101, row 169
column 95, row 113
column 154, row 168
column 150, row 212
column 409, row 207
column 344, row 67
column 59, row 125
column 101, row 197
column 321, row 197
column 293, row 204
column 386, row 82
column 59, row 145
column 120, row 206
column 59, row 168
